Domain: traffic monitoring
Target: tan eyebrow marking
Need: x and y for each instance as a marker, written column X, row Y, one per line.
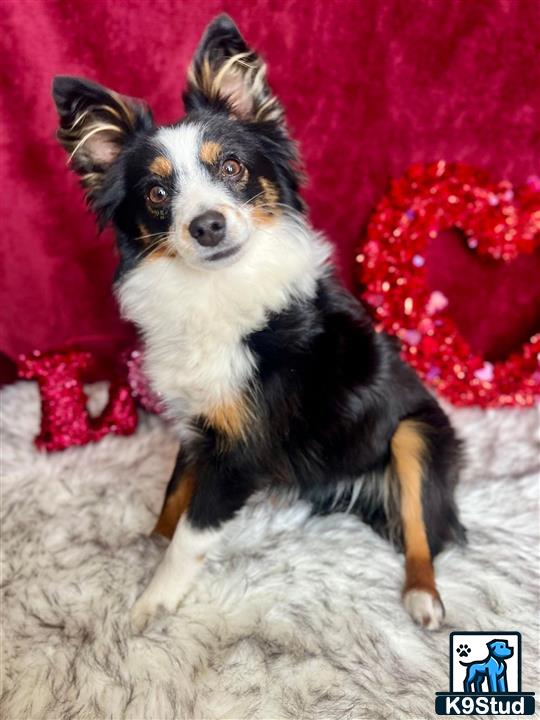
column 209, row 152
column 161, row 166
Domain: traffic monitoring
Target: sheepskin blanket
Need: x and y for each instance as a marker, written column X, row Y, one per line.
column 293, row 617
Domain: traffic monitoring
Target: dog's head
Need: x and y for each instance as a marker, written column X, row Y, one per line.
column 499, row 649
column 197, row 190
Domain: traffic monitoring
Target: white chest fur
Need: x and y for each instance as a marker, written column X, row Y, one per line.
column 194, row 320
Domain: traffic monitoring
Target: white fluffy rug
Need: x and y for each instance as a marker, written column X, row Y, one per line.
column 292, row 617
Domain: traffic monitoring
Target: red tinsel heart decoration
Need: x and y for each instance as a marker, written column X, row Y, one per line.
column 498, row 221
column 495, row 305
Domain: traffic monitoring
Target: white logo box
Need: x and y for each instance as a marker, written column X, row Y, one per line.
column 477, row 643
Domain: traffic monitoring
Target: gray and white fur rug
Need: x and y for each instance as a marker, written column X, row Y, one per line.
column 293, row 617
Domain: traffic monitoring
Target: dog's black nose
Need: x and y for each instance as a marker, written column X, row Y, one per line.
column 208, row 229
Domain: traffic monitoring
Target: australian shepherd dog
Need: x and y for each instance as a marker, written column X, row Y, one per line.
column 272, row 373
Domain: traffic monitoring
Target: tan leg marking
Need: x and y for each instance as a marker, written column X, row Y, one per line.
column 176, row 504
column 408, row 451
column 210, row 152
column 161, row 166
column 420, row 594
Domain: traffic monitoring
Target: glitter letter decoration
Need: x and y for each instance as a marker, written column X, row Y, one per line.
column 65, row 420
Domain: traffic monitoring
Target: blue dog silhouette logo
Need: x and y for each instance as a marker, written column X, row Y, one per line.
column 485, row 676
column 489, row 674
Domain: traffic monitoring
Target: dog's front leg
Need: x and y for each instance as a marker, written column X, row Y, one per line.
column 175, row 573
column 218, row 493
column 177, row 496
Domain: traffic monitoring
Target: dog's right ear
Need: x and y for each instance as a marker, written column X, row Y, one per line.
column 226, row 74
column 95, row 125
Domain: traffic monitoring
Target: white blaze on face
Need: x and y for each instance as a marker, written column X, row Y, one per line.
column 198, row 192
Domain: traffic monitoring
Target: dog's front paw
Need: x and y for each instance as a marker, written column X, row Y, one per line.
column 142, row 613
column 425, row 609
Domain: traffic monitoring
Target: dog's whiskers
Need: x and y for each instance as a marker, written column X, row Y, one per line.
column 153, row 247
column 252, row 198
column 150, row 235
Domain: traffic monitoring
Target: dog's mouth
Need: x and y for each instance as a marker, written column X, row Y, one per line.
column 223, row 254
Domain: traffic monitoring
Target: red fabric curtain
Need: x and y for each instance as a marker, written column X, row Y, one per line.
column 370, row 86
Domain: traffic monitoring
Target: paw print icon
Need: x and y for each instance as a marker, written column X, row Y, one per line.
column 463, row 650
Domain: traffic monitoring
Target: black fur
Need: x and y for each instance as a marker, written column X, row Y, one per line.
column 330, row 395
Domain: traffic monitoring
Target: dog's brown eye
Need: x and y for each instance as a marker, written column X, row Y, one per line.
column 157, row 195
column 231, row 169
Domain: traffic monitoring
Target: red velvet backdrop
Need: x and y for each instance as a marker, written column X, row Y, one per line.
column 370, row 86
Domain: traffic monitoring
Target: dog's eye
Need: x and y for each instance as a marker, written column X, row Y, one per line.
column 231, row 169
column 157, row 195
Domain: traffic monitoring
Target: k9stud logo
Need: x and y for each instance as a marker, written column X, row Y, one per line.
column 485, row 676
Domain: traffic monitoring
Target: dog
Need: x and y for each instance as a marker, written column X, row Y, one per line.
column 271, row 371
column 492, row 669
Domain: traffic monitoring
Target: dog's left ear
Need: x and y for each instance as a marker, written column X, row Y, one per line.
column 225, row 73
